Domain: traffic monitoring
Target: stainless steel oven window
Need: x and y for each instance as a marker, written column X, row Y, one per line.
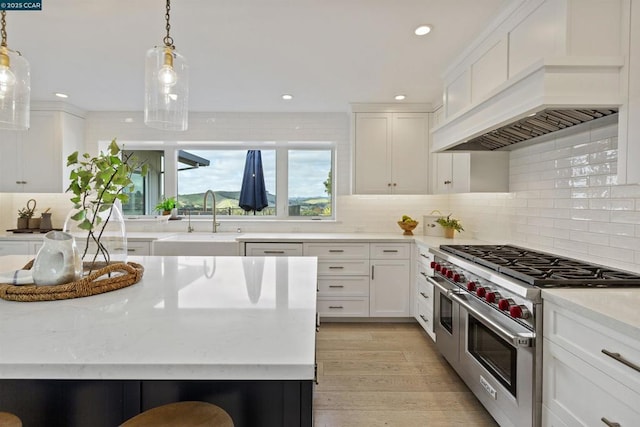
column 446, row 313
column 496, row 355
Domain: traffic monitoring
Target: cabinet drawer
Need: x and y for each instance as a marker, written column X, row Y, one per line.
column 337, row 250
column 586, row 339
column 390, row 251
column 344, row 286
column 273, row 249
column 424, row 291
column 343, row 307
column 422, row 273
column 15, row 248
column 343, row 268
column 138, row 248
column 424, row 316
column 579, row 394
column 424, row 258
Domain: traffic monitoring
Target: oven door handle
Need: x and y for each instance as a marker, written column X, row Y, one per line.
column 515, row 339
column 438, row 285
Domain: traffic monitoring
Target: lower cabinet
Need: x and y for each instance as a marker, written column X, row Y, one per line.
column 389, row 288
column 591, row 373
column 272, row 249
column 423, row 296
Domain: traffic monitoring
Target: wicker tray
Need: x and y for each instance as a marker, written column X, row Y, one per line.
column 104, row 279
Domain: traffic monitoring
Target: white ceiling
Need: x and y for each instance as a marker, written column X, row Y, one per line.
column 244, row 54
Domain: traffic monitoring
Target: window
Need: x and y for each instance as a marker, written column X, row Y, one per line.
column 223, row 174
column 297, row 175
column 310, row 185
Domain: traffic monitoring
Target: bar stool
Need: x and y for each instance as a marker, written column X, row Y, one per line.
column 184, row 414
column 9, row 420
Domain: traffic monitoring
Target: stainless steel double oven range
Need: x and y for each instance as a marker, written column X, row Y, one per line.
column 488, row 319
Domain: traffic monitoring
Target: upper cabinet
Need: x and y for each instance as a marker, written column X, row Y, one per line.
column 542, row 54
column 34, row 161
column 391, row 153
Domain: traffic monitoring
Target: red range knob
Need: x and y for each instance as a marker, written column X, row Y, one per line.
column 481, row 291
column 450, row 274
column 503, row 304
column 492, row 297
column 444, row 270
column 438, row 267
column 433, row 264
column 457, row 277
column 471, row 286
column 519, row 311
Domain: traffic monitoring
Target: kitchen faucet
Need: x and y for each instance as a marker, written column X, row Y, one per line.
column 213, row 208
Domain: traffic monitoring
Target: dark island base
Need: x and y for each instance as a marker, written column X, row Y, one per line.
column 90, row 403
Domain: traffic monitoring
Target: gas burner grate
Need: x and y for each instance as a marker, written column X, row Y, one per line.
column 542, row 269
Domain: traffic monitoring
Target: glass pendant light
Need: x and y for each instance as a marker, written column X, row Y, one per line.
column 15, row 86
column 166, row 104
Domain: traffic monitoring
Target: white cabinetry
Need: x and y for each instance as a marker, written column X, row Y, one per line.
column 390, row 285
column 15, row 248
column 423, row 298
column 471, row 172
column 343, row 278
column 138, row 248
column 591, row 372
column 391, row 153
column 34, row 161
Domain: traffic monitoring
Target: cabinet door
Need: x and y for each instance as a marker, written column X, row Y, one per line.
column 41, row 154
column 273, row 249
column 443, row 173
column 10, row 164
column 409, row 153
column 389, row 290
column 372, row 145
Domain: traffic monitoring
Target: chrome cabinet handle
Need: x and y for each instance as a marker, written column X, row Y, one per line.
column 335, row 267
column 425, row 296
column 372, row 272
column 424, row 319
column 621, row 359
column 424, row 274
column 336, row 306
column 336, row 250
column 610, row 423
column 390, row 250
column 130, row 250
column 336, row 286
column 273, row 252
column 447, row 182
column 423, row 255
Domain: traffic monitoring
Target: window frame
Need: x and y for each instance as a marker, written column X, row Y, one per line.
column 171, row 149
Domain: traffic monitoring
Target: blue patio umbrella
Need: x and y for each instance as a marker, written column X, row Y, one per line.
column 253, row 194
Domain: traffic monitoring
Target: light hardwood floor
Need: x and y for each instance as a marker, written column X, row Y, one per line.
column 388, row 374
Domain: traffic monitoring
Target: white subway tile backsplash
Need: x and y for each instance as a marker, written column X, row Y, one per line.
column 586, row 237
column 611, row 228
column 609, row 254
column 570, row 224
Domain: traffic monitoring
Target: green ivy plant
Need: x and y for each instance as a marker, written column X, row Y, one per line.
column 448, row 222
column 97, row 183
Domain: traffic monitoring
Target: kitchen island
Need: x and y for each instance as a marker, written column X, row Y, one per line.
column 235, row 331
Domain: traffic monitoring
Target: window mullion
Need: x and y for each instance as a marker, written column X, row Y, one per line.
column 282, row 180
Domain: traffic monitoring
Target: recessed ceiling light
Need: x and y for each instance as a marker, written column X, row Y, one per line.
column 61, row 95
column 400, row 97
column 287, row 97
column 422, row 30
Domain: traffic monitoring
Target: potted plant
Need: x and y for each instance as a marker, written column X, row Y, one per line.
column 450, row 225
column 166, row 205
column 98, row 184
column 23, row 218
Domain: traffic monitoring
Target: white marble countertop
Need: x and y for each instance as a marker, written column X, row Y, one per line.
column 209, row 318
column 615, row 308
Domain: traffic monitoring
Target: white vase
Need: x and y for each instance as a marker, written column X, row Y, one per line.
column 106, row 241
column 58, row 260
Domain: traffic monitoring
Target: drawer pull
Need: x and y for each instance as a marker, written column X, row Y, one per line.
column 335, row 267
column 336, row 251
column 424, row 319
column 390, row 251
column 425, row 296
column 424, row 256
column 336, row 286
column 130, row 250
column 609, row 423
column 273, row 252
column 424, row 274
column 621, row 359
column 336, row 307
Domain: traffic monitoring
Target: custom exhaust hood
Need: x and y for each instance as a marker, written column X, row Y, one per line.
column 547, row 97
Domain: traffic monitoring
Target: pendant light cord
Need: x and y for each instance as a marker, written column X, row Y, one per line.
column 4, row 29
column 168, row 41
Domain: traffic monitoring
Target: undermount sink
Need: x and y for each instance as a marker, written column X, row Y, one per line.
column 197, row 244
